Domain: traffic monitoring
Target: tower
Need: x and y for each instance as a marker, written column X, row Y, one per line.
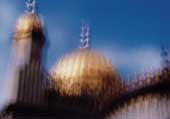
column 30, row 35
column 31, row 77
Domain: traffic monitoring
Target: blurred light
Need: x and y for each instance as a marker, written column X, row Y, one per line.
column 24, row 24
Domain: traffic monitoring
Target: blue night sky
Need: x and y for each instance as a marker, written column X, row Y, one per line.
column 129, row 32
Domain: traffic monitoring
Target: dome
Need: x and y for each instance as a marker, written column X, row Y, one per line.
column 86, row 73
column 26, row 24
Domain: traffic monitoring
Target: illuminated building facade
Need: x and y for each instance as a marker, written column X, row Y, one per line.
column 83, row 84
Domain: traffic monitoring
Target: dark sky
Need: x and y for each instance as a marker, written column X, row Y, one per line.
column 129, row 32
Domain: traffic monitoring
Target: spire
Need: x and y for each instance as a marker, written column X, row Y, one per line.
column 31, row 6
column 85, row 36
column 165, row 56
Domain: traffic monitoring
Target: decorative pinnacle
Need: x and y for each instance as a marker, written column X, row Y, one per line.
column 31, row 6
column 165, row 56
column 85, row 36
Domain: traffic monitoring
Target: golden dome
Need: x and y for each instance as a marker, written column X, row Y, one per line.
column 86, row 73
column 26, row 24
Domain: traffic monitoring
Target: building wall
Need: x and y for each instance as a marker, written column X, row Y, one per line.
column 150, row 106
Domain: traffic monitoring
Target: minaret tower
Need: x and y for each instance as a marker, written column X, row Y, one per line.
column 29, row 42
column 29, row 77
column 30, row 35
